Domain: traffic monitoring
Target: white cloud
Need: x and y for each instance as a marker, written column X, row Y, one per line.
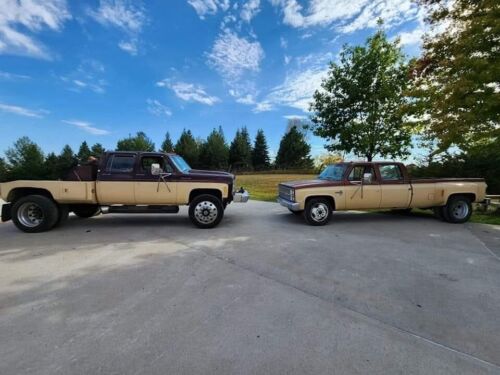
column 250, row 10
column 247, row 99
column 298, row 88
column 264, row 106
column 158, row 109
column 295, row 117
column 6, row 76
column 412, row 37
column 189, row 92
column 283, row 43
column 89, row 75
column 22, row 111
column 204, row 7
column 232, row 56
column 124, row 15
column 86, row 126
column 19, row 19
column 351, row 15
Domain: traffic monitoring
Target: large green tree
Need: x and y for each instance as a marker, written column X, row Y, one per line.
column 97, row 150
column 139, row 142
column 3, row 170
column 188, row 148
column 260, row 152
column 84, row 152
column 359, row 108
column 167, row 144
column 214, row 151
column 294, row 151
column 240, row 151
column 456, row 94
column 25, row 160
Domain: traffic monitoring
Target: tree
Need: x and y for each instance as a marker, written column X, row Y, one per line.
column 66, row 160
column 51, row 167
column 83, row 152
column 3, row 170
column 187, row 147
column 294, row 151
column 167, row 145
column 240, row 151
column 138, row 143
column 215, row 152
column 456, row 96
column 323, row 160
column 359, row 108
column 260, row 152
column 97, row 150
column 25, row 160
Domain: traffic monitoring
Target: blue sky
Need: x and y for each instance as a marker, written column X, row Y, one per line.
column 100, row 70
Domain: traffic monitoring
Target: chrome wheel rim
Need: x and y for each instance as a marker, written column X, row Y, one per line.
column 206, row 212
column 30, row 215
column 460, row 210
column 319, row 212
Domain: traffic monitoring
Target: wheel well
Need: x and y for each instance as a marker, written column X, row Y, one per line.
column 327, row 197
column 196, row 192
column 17, row 193
column 471, row 196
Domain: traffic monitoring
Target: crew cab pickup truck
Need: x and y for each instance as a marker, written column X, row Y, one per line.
column 125, row 182
column 379, row 185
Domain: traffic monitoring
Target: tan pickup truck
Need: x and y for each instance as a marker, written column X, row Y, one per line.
column 124, row 182
column 379, row 185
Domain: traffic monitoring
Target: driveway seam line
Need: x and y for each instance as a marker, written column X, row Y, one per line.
column 371, row 318
column 483, row 243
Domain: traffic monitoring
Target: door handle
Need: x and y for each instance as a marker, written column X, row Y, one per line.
column 340, row 192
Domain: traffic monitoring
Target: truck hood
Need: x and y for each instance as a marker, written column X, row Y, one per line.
column 301, row 184
column 210, row 175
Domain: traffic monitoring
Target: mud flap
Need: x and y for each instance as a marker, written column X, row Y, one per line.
column 6, row 214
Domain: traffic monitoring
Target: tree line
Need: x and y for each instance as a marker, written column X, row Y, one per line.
column 26, row 160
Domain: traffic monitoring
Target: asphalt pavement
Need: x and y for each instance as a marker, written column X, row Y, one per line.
column 263, row 293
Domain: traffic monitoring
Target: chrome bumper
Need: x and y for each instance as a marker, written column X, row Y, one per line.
column 294, row 206
column 239, row 197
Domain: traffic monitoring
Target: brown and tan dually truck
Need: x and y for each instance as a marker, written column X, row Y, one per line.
column 125, row 182
column 379, row 185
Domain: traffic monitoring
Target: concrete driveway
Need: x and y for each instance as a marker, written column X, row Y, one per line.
column 261, row 294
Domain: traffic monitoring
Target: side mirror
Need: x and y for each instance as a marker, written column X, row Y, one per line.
column 156, row 169
column 367, row 178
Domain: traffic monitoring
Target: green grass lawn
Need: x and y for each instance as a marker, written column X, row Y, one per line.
column 264, row 187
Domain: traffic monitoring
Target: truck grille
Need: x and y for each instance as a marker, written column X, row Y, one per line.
column 285, row 192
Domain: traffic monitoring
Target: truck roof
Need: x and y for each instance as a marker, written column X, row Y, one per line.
column 140, row 152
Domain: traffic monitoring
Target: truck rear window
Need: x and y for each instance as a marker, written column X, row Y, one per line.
column 121, row 164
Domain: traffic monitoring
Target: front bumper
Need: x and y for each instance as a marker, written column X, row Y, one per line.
column 294, row 206
column 241, row 196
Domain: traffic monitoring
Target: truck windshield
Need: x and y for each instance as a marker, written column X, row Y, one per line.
column 333, row 172
column 180, row 163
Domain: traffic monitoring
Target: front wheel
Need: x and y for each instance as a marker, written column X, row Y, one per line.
column 206, row 211
column 458, row 209
column 35, row 213
column 318, row 211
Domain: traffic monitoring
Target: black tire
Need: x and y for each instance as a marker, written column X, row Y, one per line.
column 63, row 214
column 35, row 213
column 458, row 209
column 85, row 211
column 318, row 211
column 297, row 213
column 206, row 211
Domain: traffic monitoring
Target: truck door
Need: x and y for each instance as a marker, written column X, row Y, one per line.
column 361, row 196
column 154, row 189
column 115, row 184
column 396, row 190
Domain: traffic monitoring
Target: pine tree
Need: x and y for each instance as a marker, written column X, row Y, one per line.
column 140, row 142
column 25, row 160
column 294, row 151
column 84, row 152
column 167, row 145
column 240, row 151
column 188, row 148
column 214, row 151
column 3, row 170
column 97, row 150
column 260, row 152
column 65, row 161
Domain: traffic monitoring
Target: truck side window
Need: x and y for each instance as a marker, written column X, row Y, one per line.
column 121, row 164
column 148, row 160
column 358, row 171
column 390, row 172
